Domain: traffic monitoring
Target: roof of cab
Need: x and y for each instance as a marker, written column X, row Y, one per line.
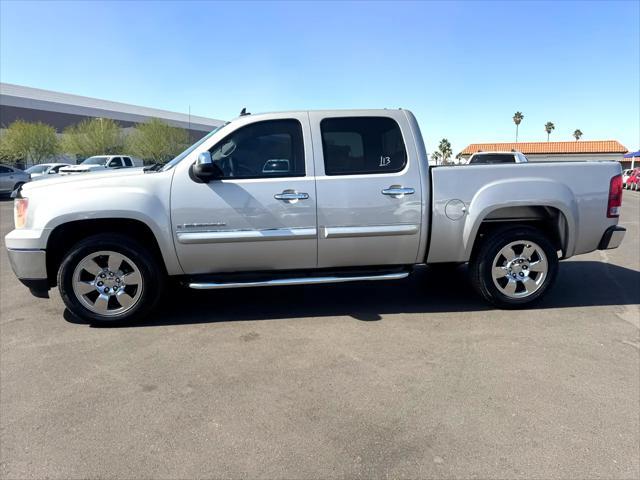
column 348, row 111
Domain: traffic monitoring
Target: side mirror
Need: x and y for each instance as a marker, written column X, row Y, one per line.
column 204, row 169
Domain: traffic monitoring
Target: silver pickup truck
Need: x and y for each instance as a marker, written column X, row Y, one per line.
column 306, row 198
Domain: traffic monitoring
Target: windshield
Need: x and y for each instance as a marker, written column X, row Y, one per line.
column 95, row 161
column 169, row 165
column 37, row 169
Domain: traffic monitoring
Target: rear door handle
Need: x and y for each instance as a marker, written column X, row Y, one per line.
column 291, row 196
column 398, row 191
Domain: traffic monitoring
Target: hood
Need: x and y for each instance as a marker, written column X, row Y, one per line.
column 99, row 177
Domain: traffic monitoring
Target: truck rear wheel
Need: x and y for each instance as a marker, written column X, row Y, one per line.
column 109, row 279
column 514, row 267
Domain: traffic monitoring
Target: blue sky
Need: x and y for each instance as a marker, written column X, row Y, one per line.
column 463, row 68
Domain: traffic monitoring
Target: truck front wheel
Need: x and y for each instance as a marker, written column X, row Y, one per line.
column 514, row 267
column 109, row 279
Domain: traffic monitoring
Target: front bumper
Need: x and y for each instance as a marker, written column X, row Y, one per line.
column 30, row 266
column 28, row 263
column 612, row 238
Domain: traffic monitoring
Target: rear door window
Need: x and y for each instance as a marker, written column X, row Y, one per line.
column 127, row 162
column 362, row 145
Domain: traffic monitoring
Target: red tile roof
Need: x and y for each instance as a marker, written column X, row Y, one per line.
column 581, row 146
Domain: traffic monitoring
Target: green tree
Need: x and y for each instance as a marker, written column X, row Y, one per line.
column 577, row 134
column 96, row 136
column 549, row 127
column 156, row 141
column 517, row 119
column 443, row 154
column 25, row 141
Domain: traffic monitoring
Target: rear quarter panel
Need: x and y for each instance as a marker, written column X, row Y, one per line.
column 579, row 190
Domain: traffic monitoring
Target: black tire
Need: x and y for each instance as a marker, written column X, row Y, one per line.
column 481, row 264
column 152, row 284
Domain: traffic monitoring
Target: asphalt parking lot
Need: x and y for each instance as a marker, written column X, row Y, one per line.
column 416, row 378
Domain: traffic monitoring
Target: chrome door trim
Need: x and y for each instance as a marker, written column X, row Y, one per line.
column 369, row 231
column 230, row 236
column 185, row 226
column 296, row 281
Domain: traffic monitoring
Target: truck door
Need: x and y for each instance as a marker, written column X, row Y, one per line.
column 261, row 213
column 368, row 185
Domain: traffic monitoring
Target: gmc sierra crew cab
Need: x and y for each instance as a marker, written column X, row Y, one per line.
column 307, row 197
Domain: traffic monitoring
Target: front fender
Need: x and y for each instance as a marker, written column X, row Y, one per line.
column 149, row 206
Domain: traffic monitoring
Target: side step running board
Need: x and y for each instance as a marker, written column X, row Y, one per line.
column 296, row 281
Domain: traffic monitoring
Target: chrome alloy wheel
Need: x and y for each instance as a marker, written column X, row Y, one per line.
column 107, row 283
column 519, row 269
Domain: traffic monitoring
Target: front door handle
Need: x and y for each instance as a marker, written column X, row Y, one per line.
column 291, row 196
column 398, row 191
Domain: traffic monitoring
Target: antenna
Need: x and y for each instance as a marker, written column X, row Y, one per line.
column 244, row 112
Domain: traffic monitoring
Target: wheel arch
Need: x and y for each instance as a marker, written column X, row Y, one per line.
column 544, row 204
column 549, row 220
column 66, row 235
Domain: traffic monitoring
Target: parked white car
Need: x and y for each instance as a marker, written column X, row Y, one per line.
column 100, row 162
column 43, row 169
column 497, row 157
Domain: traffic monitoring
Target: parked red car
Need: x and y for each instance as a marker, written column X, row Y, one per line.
column 633, row 181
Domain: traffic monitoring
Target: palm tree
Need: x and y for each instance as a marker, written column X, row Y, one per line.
column 445, row 150
column 517, row 118
column 443, row 154
column 549, row 127
column 577, row 134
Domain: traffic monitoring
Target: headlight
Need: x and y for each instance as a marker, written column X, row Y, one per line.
column 20, row 212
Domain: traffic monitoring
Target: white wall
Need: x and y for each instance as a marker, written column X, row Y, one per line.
column 568, row 157
column 574, row 157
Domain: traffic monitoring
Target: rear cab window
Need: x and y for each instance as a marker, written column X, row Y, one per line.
column 362, row 145
column 493, row 158
column 115, row 162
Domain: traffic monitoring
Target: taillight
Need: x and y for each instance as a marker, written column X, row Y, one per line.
column 20, row 212
column 615, row 197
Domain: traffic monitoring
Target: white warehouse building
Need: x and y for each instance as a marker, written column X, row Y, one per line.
column 61, row 110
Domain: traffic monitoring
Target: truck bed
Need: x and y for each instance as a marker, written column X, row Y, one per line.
column 574, row 193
